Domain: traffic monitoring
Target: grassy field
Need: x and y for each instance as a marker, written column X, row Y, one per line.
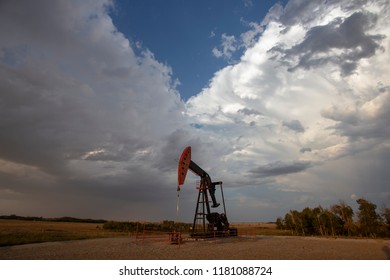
column 259, row 229
column 15, row 232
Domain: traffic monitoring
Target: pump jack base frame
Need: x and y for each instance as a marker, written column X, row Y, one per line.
column 232, row 232
column 204, row 229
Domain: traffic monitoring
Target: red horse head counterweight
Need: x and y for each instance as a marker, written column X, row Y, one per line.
column 184, row 164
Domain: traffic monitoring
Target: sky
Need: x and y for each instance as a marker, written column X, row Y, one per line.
column 189, row 35
column 286, row 102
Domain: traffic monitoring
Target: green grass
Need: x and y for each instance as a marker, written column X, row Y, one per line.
column 260, row 229
column 15, row 232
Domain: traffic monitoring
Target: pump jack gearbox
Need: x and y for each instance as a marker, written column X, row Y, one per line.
column 217, row 224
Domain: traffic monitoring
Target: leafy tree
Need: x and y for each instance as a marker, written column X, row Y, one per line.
column 309, row 221
column 368, row 218
column 297, row 221
column 385, row 213
column 330, row 222
column 279, row 223
column 345, row 214
column 338, row 220
column 386, row 217
column 289, row 224
column 317, row 212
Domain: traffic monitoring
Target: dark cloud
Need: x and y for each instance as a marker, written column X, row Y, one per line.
column 304, row 150
column 280, row 168
column 305, row 11
column 349, row 37
column 368, row 121
column 77, row 108
column 247, row 111
column 294, row 125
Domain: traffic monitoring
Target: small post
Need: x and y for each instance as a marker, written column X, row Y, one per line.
column 177, row 203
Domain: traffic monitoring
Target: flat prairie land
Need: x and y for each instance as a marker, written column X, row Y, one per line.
column 256, row 228
column 249, row 245
column 16, row 232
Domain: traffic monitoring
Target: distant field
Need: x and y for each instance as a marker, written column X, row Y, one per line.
column 15, row 232
column 256, row 228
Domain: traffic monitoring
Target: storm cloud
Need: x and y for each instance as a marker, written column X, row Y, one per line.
column 294, row 125
column 92, row 125
column 342, row 42
column 77, row 107
column 318, row 75
column 280, row 168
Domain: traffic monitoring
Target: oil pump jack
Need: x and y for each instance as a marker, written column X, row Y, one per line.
column 218, row 224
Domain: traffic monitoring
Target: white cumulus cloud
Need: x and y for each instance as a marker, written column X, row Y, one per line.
column 318, row 75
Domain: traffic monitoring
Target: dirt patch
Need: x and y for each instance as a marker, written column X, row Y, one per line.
column 260, row 247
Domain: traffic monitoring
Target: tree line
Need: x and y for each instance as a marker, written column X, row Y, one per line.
column 61, row 219
column 338, row 220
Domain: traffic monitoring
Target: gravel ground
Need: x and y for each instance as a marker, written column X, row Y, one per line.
column 260, row 247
